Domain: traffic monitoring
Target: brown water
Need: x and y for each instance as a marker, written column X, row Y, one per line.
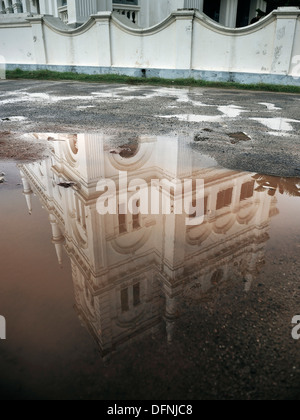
column 146, row 307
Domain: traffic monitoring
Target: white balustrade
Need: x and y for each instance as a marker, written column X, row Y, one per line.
column 130, row 12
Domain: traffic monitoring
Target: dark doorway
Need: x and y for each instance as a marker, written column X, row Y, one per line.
column 212, row 9
column 243, row 14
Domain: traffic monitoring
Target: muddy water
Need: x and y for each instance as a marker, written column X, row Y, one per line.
column 147, row 306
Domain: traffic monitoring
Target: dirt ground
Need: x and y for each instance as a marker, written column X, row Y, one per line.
column 253, row 131
column 15, row 146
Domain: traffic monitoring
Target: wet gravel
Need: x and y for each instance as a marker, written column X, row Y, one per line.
column 232, row 346
column 126, row 112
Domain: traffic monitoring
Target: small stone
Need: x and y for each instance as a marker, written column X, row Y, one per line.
column 199, row 138
column 66, row 184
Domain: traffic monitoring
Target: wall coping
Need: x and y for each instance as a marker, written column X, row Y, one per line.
column 185, row 14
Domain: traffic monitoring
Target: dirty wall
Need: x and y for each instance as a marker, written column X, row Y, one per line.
column 186, row 44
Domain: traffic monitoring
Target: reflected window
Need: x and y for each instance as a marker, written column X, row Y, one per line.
column 136, row 294
column 122, row 219
column 124, row 300
column 217, row 277
column 247, row 190
column 224, row 198
column 136, row 221
column 136, row 218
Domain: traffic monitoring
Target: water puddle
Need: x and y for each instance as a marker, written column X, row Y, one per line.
column 13, row 119
column 238, row 137
column 230, row 111
column 194, row 118
column 277, row 124
column 118, row 94
column 173, row 304
column 270, row 107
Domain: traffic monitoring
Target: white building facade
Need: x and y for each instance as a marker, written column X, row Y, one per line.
column 144, row 13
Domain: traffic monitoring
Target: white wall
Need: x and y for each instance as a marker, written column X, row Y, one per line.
column 187, row 41
column 143, row 51
column 295, row 65
column 249, row 51
column 16, row 44
column 80, row 50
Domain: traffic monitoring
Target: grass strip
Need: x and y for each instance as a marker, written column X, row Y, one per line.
column 154, row 81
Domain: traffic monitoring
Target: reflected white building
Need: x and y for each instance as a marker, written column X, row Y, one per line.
column 144, row 13
column 130, row 273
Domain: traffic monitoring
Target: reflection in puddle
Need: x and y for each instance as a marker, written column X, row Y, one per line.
column 132, row 272
column 194, row 118
column 179, row 311
column 229, row 111
column 118, row 94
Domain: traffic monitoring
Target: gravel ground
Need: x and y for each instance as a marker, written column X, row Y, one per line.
column 271, row 121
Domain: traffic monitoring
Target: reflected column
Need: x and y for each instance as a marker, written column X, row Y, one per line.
column 27, row 191
column 57, row 238
column 171, row 316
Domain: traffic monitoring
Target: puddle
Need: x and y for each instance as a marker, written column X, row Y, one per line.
column 13, row 119
column 166, row 307
column 229, row 111
column 85, row 107
column 282, row 134
column 238, row 137
column 121, row 94
column 270, row 107
column 193, row 118
column 277, row 124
